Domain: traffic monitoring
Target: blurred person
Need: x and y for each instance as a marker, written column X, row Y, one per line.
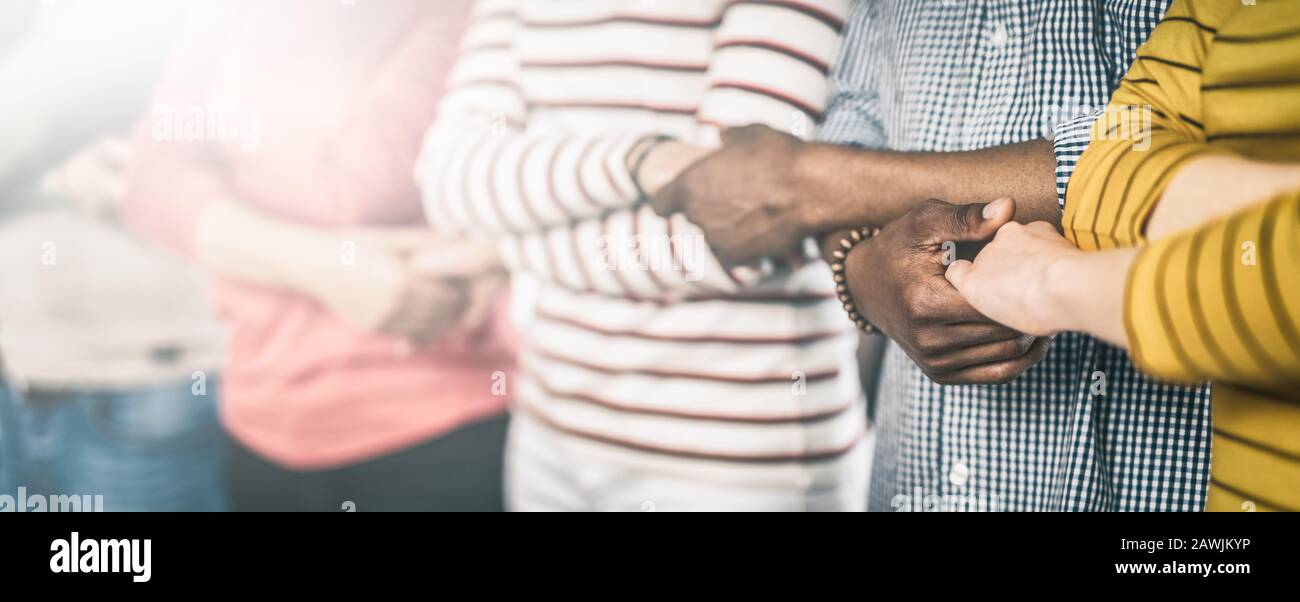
column 111, row 351
column 364, row 358
column 956, row 101
column 1182, row 243
column 651, row 378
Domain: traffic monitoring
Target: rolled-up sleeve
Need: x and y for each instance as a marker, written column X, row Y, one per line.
column 853, row 109
column 1070, row 140
column 1151, row 128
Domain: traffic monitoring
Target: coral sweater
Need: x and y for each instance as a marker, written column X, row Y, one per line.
column 323, row 120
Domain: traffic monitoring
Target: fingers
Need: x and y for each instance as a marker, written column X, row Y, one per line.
column 958, row 273
column 998, row 373
column 944, row 222
column 971, row 333
column 935, row 343
column 426, row 311
column 483, row 296
column 941, row 303
column 985, row 353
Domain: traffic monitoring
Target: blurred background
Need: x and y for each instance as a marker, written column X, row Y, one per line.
column 244, row 263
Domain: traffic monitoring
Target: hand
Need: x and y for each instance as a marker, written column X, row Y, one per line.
column 743, row 196
column 1010, row 280
column 478, row 266
column 382, row 292
column 897, row 281
column 94, row 179
column 666, row 161
column 1031, row 279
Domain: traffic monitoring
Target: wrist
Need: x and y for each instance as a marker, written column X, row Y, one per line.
column 642, row 153
column 807, row 165
column 824, row 172
column 1064, row 277
column 1086, row 291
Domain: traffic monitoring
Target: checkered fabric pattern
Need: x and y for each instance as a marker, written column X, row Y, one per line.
column 1083, row 430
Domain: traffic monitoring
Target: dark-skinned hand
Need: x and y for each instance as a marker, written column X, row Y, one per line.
column 897, row 281
column 743, row 196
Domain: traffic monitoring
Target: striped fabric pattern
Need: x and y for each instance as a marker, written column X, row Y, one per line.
column 1218, row 301
column 950, row 76
column 684, row 364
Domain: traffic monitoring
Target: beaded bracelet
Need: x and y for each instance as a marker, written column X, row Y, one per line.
column 840, row 258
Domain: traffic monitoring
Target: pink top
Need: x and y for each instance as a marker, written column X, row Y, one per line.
column 324, row 107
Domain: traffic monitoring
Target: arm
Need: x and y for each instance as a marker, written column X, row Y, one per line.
column 877, row 187
column 765, row 191
column 180, row 195
column 1206, row 304
column 367, row 276
column 480, row 171
column 1214, row 186
column 1215, row 303
column 1149, row 135
column 631, row 251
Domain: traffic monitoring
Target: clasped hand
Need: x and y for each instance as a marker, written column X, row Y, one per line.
column 413, row 284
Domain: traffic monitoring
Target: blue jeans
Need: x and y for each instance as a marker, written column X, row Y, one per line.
column 150, row 449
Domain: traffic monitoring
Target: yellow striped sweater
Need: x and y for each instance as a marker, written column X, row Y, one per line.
column 1221, row 302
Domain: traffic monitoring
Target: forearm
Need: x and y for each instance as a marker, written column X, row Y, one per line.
column 237, row 242
column 476, row 179
column 1215, row 186
column 631, row 253
column 850, row 187
column 1088, row 290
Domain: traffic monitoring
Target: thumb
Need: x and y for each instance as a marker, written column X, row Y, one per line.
column 958, row 273
column 973, row 223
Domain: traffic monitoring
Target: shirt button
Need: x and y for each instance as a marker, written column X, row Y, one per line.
column 959, row 474
column 1000, row 36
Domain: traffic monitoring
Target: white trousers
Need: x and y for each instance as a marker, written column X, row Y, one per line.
column 551, row 471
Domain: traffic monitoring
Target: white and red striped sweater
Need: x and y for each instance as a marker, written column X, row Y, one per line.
column 685, row 363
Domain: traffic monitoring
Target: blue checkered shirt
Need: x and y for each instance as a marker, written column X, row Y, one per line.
column 1082, row 430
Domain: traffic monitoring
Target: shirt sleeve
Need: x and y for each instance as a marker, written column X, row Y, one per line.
column 1124, row 26
column 631, row 253
column 1216, row 303
column 482, row 172
column 1150, row 128
column 1070, row 140
column 768, row 66
column 169, row 185
column 853, row 109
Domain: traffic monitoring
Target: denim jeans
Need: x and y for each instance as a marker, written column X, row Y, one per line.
column 149, row 449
